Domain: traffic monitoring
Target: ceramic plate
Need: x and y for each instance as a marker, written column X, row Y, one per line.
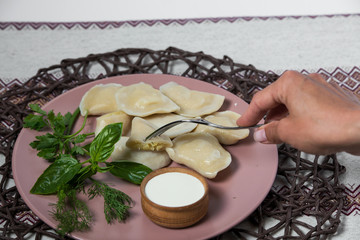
column 234, row 193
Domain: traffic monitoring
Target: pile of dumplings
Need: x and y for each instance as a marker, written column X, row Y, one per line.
column 142, row 109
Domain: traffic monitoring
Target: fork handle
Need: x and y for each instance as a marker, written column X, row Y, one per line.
column 238, row 128
column 204, row 122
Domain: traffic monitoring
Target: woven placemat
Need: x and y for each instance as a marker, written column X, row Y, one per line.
column 305, row 202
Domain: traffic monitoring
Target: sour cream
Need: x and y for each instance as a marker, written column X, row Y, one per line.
column 174, row 189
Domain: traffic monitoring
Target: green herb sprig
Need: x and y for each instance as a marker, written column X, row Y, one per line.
column 59, row 140
column 66, row 175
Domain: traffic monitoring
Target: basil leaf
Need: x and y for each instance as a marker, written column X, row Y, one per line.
column 130, row 171
column 82, row 175
column 58, row 173
column 103, row 144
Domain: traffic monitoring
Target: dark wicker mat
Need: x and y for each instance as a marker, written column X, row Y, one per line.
column 307, row 205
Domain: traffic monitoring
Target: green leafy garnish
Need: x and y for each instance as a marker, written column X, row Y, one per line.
column 103, row 144
column 71, row 213
column 130, row 171
column 56, row 175
column 66, row 175
column 52, row 145
column 116, row 203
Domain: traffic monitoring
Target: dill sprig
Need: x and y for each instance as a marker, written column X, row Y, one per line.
column 116, row 202
column 71, row 213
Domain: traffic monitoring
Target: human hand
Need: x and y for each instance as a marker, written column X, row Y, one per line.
column 307, row 113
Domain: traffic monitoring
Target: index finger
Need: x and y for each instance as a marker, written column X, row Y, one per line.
column 267, row 99
column 261, row 103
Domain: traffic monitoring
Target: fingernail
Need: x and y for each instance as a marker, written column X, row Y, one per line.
column 260, row 135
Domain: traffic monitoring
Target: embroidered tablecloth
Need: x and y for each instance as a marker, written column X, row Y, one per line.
column 324, row 44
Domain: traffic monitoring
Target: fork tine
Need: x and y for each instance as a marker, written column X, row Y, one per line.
column 164, row 128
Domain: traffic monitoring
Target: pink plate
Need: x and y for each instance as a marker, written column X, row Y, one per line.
column 234, row 193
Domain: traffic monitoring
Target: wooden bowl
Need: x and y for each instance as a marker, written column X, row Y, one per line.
column 175, row 216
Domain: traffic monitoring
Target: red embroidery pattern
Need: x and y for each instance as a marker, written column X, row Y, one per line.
column 352, row 202
column 135, row 23
column 349, row 80
column 28, row 217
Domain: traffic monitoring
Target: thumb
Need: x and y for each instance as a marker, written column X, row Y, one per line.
column 268, row 133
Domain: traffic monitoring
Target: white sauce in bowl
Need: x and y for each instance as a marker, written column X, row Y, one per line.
column 174, row 189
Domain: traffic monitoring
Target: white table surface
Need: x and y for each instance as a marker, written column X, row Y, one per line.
column 118, row 10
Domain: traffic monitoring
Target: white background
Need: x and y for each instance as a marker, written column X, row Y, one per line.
column 119, row 10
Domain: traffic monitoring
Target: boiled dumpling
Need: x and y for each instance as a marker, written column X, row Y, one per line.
column 201, row 152
column 225, row 118
column 160, row 120
column 151, row 159
column 100, row 99
column 140, row 129
column 113, row 117
column 192, row 103
column 142, row 100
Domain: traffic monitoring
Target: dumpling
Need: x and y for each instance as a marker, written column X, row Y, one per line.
column 140, row 129
column 113, row 117
column 151, row 159
column 100, row 99
column 201, row 152
column 225, row 118
column 192, row 103
column 160, row 120
column 142, row 100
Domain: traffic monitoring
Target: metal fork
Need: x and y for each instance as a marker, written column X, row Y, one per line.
column 166, row 127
